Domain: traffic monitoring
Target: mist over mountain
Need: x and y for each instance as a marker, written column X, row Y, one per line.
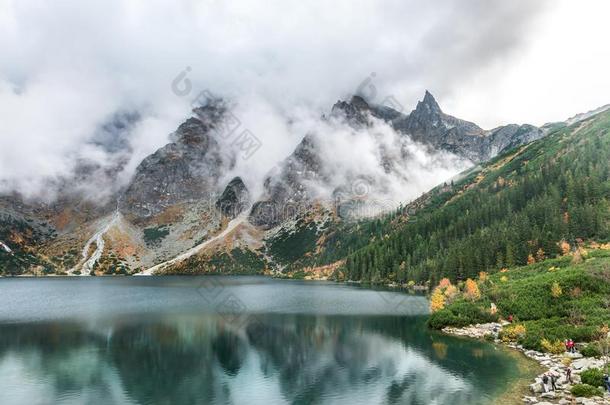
column 57, row 92
column 356, row 161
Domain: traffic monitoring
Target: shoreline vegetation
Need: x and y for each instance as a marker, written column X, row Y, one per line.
column 547, row 303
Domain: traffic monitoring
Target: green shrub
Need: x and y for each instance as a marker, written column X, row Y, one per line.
column 586, row 390
column 473, row 312
column 556, row 328
column 461, row 313
column 590, row 350
column 593, row 377
column 442, row 318
column 153, row 236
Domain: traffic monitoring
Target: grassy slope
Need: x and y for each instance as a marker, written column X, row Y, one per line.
column 578, row 312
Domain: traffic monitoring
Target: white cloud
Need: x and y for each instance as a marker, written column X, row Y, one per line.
column 67, row 67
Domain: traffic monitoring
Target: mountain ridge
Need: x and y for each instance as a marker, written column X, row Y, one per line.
column 157, row 226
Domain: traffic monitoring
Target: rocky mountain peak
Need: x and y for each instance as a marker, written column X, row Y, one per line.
column 186, row 169
column 354, row 111
column 428, row 106
column 359, row 103
column 234, row 199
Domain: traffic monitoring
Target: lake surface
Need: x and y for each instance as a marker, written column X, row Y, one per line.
column 233, row 340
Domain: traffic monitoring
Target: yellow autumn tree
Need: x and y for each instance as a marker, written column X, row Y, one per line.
column 450, row 292
column 530, row 259
column 556, row 290
column 471, row 290
column 437, row 300
column 483, row 276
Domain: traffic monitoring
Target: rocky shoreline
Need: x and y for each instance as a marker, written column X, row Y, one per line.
column 552, row 363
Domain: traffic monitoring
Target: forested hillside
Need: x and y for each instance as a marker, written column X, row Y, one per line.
column 529, row 204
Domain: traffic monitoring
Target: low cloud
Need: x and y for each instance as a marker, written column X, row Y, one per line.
column 69, row 68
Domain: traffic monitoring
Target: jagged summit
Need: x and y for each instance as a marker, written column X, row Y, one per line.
column 354, row 111
column 357, row 111
column 234, row 199
column 428, row 104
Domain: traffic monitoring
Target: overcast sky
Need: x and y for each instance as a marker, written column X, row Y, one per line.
column 66, row 67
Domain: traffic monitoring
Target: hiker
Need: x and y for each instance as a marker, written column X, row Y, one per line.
column 510, row 318
column 545, row 382
column 553, row 380
column 570, row 345
column 607, row 382
column 567, row 345
column 569, row 374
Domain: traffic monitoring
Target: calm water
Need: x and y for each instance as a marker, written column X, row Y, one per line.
column 232, row 340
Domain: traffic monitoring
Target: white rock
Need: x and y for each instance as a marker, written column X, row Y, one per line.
column 586, row 363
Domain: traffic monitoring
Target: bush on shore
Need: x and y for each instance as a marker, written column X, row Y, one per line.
column 459, row 314
column 590, row 350
column 586, row 390
column 593, row 377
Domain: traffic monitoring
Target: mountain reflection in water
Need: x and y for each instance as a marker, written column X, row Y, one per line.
column 273, row 358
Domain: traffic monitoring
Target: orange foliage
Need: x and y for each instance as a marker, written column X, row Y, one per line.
column 444, row 283
column 471, row 290
column 451, row 292
column 565, row 247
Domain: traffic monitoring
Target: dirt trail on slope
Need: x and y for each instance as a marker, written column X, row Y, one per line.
column 230, row 227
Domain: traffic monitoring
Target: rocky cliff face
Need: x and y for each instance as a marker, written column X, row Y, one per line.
column 185, row 170
column 287, row 190
column 235, row 199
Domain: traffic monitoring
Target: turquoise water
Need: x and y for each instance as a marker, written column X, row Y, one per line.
column 232, row 340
